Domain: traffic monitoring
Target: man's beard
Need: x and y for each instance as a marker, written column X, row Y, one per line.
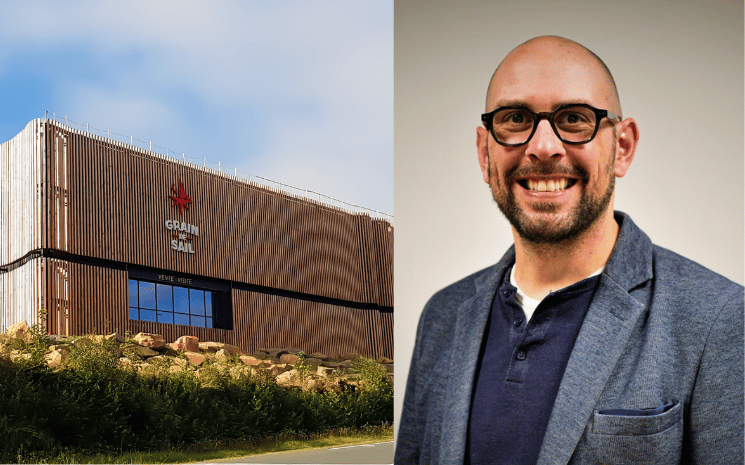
column 579, row 219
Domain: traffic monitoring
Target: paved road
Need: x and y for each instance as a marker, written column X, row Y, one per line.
column 378, row 453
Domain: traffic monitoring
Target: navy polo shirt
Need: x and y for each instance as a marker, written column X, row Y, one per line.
column 519, row 371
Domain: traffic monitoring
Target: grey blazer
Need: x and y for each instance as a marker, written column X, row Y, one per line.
column 661, row 330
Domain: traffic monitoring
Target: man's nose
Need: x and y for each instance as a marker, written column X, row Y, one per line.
column 545, row 143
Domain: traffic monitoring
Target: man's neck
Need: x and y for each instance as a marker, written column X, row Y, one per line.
column 543, row 268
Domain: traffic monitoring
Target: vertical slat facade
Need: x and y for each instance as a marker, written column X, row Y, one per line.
column 85, row 298
column 21, row 225
column 104, row 200
column 21, row 293
column 118, row 204
column 20, row 194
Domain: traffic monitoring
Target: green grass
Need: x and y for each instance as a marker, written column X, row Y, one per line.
column 211, row 451
column 94, row 411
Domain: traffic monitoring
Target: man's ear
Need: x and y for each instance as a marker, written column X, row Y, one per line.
column 482, row 140
column 627, row 137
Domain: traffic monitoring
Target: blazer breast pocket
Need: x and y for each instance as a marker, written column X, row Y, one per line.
column 620, row 436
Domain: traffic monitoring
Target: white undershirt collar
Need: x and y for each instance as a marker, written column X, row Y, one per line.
column 528, row 304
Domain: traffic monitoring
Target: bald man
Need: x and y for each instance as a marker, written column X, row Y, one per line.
column 585, row 343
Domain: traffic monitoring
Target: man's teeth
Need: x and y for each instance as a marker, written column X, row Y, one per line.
column 547, row 185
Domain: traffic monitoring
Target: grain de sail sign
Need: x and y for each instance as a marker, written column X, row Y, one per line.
column 182, row 233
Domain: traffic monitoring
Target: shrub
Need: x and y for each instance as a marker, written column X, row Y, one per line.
column 95, row 405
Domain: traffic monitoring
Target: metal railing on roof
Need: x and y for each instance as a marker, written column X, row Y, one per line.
column 148, row 145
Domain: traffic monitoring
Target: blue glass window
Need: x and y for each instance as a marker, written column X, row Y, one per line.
column 197, row 321
column 165, row 303
column 147, row 295
column 180, row 299
column 196, row 302
column 165, row 317
column 133, row 296
column 165, row 297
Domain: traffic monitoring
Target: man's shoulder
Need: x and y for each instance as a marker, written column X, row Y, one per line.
column 469, row 286
column 447, row 301
column 677, row 271
column 635, row 260
column 693, row 296
column 466, row 301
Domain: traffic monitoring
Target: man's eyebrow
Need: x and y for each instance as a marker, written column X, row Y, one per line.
column 523, row 103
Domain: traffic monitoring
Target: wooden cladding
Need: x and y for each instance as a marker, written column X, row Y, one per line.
column 107, row 200
column 21, row 219
column 83, row 299
column 311, row 326
column 99, row 299
column 77, row 211
column 21, row 294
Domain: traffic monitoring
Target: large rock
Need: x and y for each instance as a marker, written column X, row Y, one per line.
column 20, row 331
column 217, row 346
column 289, row 378
column 17, row 355
column 333, row 358
column 318, row 355
column 313, row 384
column 222, row 354
column 56, row 357
column 276, row 370
column 195, row 358
column 312, row 361
column 254, row 362
column 186, row 343
column 145, row 351
column 273, row 353
column 150, row 340
column 293, row 378
column 115, row 337
column 353, row 356
column 330, row 364
column 291, row 359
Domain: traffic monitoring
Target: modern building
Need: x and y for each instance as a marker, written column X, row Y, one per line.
column 100, row 236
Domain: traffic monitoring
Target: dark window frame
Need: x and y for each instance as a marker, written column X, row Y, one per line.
column 216, row 295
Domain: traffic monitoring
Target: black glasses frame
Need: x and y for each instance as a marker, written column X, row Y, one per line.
column 488, row 120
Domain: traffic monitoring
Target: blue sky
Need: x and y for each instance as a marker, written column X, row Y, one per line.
column 299, row 92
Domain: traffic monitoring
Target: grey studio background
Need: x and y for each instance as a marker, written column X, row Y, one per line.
column 678, row 66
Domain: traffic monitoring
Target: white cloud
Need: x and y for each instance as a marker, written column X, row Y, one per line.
column 312, row 79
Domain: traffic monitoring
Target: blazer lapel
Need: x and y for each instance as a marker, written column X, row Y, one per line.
column 601, row 340
column 470, row 325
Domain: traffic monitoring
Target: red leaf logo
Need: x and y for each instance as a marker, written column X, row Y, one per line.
column 181, row 199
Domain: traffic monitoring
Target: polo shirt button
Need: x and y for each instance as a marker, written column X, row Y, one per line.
column 518, row 321
column 506, row 292
column 520, row 355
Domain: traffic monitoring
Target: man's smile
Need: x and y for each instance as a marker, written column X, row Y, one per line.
column 546, row 185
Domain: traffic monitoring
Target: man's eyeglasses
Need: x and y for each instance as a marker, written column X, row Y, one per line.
column 575, row 123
